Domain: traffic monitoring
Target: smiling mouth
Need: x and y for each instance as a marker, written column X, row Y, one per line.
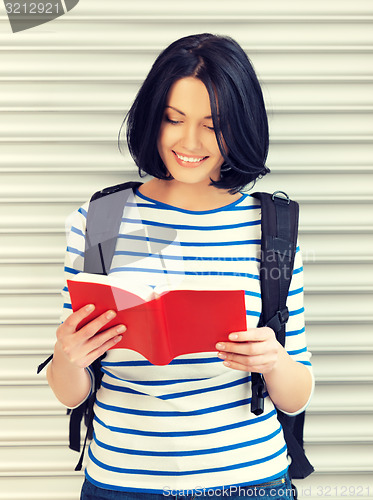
column 190, row 159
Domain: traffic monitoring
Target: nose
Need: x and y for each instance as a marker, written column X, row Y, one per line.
column 191, row 140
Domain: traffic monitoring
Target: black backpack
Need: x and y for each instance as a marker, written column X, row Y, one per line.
column 279, row 219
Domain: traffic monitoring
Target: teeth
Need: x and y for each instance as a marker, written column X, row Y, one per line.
column 190, row 160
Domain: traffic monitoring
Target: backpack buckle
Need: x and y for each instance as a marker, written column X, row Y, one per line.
column 283, row 315
column 257, row 397
column 282, row 198
column 278, row 320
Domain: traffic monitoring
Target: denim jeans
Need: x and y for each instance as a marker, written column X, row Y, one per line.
column 278, row 489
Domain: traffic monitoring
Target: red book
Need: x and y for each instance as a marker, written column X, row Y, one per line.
column 162, row 324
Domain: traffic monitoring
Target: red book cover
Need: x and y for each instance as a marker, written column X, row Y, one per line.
column 162, row 324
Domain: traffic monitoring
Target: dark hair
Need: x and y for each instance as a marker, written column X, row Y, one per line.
column 226, row 71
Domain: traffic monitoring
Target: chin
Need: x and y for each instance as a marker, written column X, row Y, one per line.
column 193, row 175
column 192, row 179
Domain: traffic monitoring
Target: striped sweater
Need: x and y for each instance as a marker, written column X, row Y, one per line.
column 186, row 425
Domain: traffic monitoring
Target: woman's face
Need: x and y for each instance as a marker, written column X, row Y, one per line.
column 187, row 142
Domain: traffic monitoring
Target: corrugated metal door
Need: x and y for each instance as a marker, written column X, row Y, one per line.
column 64, row 88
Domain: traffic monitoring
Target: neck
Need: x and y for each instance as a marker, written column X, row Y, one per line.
column 196, row 197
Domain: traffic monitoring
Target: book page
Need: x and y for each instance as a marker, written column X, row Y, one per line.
column 137, row 292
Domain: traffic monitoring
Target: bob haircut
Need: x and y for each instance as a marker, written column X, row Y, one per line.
column 241, row 122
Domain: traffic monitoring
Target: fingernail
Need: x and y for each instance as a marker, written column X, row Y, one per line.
column 220, row 347
column 233, row 336
column 89, row 308
column 111, row 315
column 121, row 329
column 222, row 355
column 118, row 339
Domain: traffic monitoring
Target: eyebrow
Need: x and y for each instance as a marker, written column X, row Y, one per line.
column 178, row 111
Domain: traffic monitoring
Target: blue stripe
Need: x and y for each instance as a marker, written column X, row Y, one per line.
column 76, row 230
column 83, row 212
column 183, row 273
column 297, row 351
column 297, row 311
column 190, row 453
column 176, row 395
column 240, row 381
column 178, row 361
column 297, row 271
column 158, row 413
column 75, row 250
column 189, row 244
column 295, row 332
column 169, row 207
column 187, row 258
column 295, row 292
column 199, row 432
column 219, row 244
column 307, row 363
column 71, row 270
column 195, row 361
column 67, row 306
column 123, row 470
column 141, row 362
column 253, row 294
column 155, row 382
column 253, row 313
column 191, row 228
column 126, row 390
column 164, row 206
column 147, row 254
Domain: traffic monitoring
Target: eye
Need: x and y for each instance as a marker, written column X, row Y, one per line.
column 173, row 122
column 210, row 128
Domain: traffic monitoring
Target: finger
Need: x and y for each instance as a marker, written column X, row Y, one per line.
column 91, row 328
column 249, row 361
column 235, row 365
column 256, row 364
column 245, row 348
column 72, row 321
column 100, row 339
column 99, row 351
column 79, row 353
column 252, row 335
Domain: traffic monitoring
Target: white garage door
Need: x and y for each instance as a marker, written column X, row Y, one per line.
column 64, row 89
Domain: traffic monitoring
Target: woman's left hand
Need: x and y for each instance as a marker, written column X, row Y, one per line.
column 254, row 350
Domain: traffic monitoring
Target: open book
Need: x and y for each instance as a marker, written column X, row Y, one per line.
column 161, row 324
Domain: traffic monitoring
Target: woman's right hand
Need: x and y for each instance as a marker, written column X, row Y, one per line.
column 75, row 350
column 81, row 347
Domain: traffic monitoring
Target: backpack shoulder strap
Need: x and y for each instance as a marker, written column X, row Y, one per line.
column 104, row 217
column 279, row 220
column 278, row 247
column 103, row 221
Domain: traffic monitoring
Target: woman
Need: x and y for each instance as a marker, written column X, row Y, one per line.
column 199, row 127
